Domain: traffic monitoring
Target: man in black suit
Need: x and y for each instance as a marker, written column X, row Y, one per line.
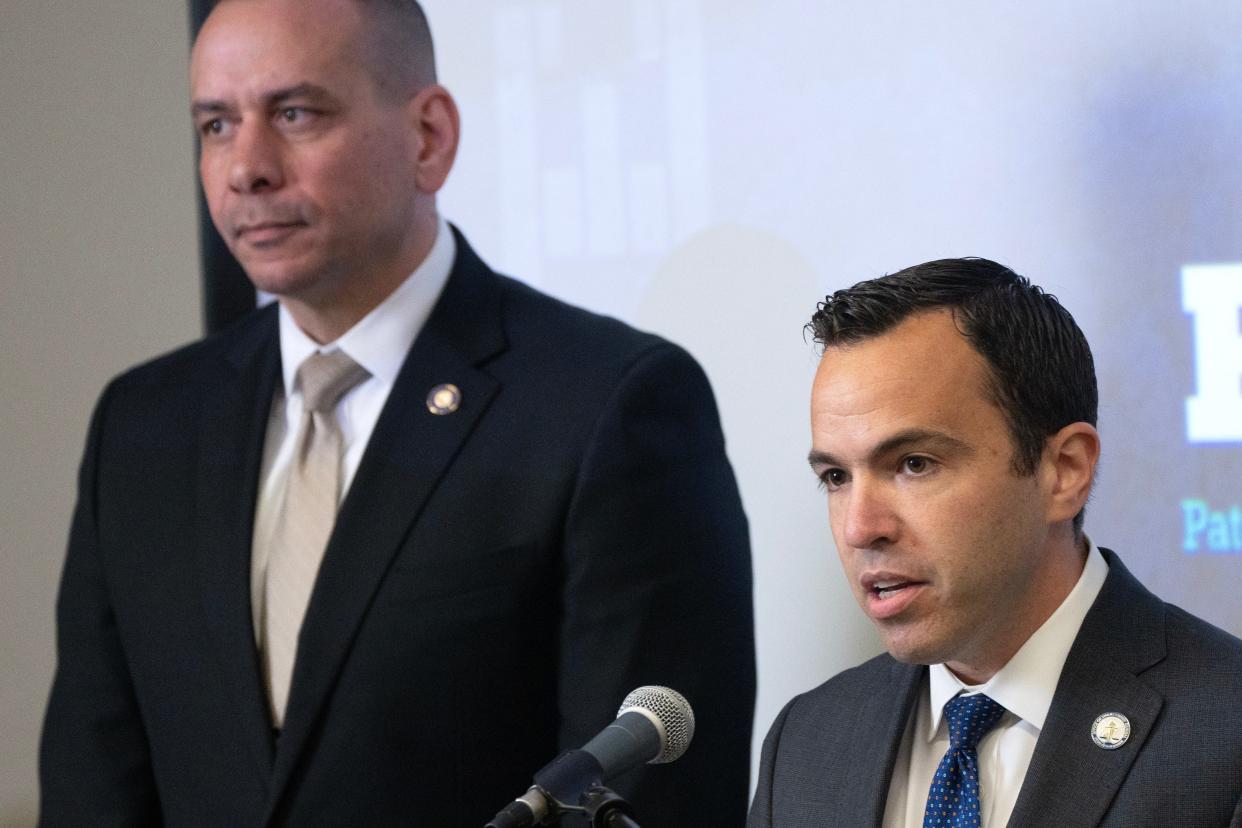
column 535, row 509
column 1030, row 680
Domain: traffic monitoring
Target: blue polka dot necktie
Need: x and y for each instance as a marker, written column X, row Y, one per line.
column 953, row 801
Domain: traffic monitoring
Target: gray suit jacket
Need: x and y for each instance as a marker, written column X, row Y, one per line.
column 828, row 757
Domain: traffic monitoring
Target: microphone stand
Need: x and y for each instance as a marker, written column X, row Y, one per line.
column 602, row 808
column 606, row 809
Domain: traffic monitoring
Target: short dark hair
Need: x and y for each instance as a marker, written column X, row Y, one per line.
column 1041, row 373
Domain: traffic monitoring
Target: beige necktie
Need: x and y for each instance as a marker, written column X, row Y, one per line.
column 305, row 521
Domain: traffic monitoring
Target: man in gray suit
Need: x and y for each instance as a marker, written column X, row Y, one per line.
column 1030, row 679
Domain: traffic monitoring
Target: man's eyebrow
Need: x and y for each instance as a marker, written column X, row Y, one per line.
column 821, row 459
column 900, row 440
column 208, row 107
column 920, row 437
column 273, row 98
column 301, row 90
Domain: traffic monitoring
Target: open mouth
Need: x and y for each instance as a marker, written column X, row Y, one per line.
column 884, row 589
column 888, row 596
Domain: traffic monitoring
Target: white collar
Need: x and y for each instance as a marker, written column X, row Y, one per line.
column 380, row 340
column 1026, row 684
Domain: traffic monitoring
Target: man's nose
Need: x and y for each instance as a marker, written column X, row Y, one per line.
column 256, row 163
column 870, row 518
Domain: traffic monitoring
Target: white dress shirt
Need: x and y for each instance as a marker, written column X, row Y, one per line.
column 1024, row 687
column 379, row 343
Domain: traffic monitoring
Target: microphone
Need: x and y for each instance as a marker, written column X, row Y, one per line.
column 654, row 725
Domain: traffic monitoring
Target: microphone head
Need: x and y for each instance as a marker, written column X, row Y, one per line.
column 669, row 711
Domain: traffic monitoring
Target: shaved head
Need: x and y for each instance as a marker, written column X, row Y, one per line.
column 404, row 53
column 399, row 48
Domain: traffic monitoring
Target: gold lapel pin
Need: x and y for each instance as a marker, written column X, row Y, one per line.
column 445, row 398
column 1110, row 730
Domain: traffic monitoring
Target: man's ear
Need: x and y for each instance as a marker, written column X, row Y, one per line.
column 1068, row 470
column 437, row 125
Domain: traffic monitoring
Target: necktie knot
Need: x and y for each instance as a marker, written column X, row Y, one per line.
column 325, row 378
column 970, row 718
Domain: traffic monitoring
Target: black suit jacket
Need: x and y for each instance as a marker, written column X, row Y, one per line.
column 497, row 580
column 829, row 756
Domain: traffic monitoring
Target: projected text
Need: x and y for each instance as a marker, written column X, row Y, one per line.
column 1211, row 530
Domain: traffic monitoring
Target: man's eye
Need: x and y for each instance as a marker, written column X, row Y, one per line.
column 917, row 465
column 293, row 114
column 213, row 127
column 833, row 478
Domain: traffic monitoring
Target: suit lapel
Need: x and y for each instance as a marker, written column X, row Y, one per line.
column 884, row 718
column 841, row 755
column 408, row 453
column 233, row 425
column 1070, row 781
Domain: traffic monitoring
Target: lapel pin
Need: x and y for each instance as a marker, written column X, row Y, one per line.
column 1110, row 730
column 444, row 399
